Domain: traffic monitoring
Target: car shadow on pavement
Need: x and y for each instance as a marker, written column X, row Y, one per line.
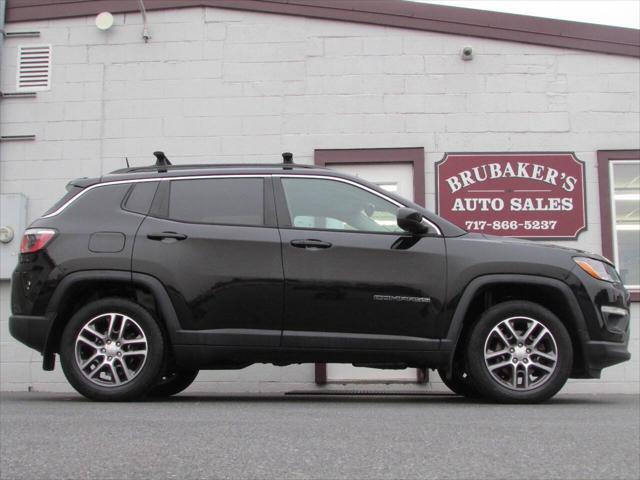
column 426, row 398
column 319, row 397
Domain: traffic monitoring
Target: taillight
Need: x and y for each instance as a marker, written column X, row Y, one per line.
column 36, row 239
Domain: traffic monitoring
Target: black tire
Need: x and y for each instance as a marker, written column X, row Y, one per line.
column 459, row 382
column 503, row 387
column 140, row 333
column 173, row 382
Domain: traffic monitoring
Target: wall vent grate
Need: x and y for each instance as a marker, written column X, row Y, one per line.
column 34, row 68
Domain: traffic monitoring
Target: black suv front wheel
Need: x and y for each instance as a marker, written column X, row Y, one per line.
column 458, row 380
column 519, row 352
column 111, row 350
column 173, row 381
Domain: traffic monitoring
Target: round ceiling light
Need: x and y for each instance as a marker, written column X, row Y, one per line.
column 104, row 21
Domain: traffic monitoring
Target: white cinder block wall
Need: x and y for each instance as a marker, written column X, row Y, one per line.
column 216, row 85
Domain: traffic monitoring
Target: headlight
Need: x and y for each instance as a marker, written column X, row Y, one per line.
column 598, row 269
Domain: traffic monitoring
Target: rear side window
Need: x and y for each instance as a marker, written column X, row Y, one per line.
column 140, row 197
column 227, row 201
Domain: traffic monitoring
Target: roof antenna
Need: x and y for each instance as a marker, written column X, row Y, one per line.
column 126, row 159
column 287, row 158
column 161, row 161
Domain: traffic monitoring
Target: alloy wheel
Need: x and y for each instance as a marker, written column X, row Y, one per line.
column 520, row 353
column 111, row 349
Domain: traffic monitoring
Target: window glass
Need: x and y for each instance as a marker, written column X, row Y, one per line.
column 329, row 204
column 72, row 191
column 141, row 196
column 228, row 201
column 625, row 179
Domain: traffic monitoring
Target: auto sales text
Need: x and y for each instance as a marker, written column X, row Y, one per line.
column 516, row 204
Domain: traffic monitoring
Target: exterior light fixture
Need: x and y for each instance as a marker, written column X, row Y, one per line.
column 104, row 21
column 466, row 53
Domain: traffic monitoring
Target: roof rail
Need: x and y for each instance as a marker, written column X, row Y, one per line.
column 163, row 165
column 204, row 166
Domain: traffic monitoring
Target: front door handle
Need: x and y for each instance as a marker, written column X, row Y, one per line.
column 310, row 243
column 166, row 235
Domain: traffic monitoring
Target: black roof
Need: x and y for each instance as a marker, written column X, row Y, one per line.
column 163, row 171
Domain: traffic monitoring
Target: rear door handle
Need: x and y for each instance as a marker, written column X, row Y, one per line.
column 310, row 243
column 166, row 235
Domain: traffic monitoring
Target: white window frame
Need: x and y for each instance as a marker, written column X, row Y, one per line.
column 612, row 206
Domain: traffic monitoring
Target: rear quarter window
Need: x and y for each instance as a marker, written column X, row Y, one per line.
column 72, row 191
column 225, row 201
column 99, row 202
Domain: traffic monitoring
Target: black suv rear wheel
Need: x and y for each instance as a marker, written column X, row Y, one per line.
column 519, row 352
column 112, row 350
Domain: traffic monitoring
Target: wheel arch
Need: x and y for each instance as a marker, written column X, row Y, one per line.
column 95, row 284
column 486, row 291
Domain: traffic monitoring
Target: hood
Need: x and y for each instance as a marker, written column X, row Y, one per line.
column 572, row 251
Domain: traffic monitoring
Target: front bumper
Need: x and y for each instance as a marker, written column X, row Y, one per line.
column 599, row 355
column 30, row 330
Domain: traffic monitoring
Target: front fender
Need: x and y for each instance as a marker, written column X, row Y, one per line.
column 577, row 325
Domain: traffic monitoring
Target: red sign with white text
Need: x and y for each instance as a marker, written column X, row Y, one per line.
column 531, row 195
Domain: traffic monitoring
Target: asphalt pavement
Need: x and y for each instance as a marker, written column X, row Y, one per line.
column 63, row 436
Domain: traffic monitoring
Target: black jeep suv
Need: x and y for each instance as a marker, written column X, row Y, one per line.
column 143, row 277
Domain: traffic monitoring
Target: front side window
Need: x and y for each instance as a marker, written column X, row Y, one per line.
column 225, row 201
column 625, row 215
column 334, row 205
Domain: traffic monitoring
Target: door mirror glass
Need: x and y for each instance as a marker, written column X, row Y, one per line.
column 411, row 221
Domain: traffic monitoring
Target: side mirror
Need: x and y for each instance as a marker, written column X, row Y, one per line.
column 411, row 221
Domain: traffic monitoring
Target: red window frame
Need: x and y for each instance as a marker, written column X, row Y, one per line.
column 605, row 157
